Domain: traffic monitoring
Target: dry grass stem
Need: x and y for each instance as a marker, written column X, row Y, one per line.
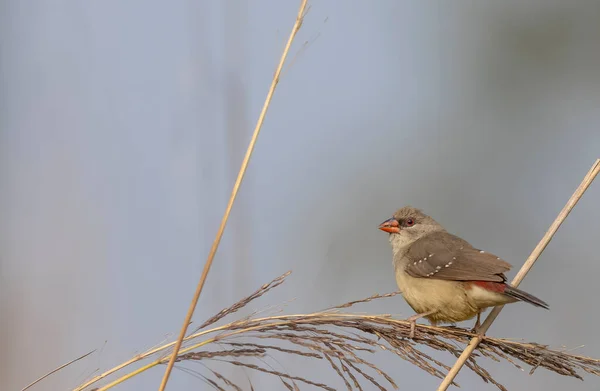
column 537, row 251
column 236, row 186
column 39, row 379
column 344, row 341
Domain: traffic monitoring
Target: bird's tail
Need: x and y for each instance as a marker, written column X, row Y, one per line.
column 524, row 296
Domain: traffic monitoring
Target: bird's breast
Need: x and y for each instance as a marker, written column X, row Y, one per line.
column 447, row 298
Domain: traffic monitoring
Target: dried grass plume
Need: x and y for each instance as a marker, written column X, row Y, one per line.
column 344, row 341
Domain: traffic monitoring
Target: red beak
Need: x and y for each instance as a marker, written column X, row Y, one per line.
column 390, row 226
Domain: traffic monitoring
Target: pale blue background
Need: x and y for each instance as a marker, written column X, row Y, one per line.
column 123, row 124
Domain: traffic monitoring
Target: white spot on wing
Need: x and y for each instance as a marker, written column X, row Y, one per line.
column 481, row 251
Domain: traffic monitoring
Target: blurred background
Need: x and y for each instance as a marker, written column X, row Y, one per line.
column 123, row 125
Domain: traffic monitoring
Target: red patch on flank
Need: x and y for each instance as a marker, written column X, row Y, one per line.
column 489, row 285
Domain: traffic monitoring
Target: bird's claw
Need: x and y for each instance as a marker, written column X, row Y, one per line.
column 413, row 324
column 475, row 329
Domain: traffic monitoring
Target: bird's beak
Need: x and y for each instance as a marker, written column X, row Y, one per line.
column 390, row 226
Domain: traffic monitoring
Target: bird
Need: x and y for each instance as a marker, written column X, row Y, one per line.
column 441, row 276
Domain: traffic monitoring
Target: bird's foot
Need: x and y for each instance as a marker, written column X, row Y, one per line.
column 413, row 325
column 413, row 322
column 475, row 329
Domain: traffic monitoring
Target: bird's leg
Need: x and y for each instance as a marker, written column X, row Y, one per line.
column 413, row 321
column 475, row 328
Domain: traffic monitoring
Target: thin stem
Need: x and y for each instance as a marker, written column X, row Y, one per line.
column 234, row 192
column 56, row 370
column 537, row 251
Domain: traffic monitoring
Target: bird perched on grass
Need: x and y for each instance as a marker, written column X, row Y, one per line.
column 441, row 276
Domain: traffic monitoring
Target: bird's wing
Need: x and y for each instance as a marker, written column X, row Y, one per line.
column 444, row 256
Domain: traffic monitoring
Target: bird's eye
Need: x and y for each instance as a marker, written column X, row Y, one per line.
column 409, row 222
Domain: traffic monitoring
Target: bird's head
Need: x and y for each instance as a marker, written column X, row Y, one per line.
column 407, row 225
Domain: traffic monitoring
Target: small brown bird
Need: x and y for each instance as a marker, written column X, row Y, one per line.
column 441, row 276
